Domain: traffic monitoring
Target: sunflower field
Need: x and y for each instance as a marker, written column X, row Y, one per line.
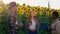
column 43, row 14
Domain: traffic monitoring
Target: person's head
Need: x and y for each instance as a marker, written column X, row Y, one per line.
column 31, row 14
column 55, row 15
column 12, row 6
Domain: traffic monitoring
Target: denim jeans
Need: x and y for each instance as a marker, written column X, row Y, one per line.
column 16, row 31
column 34, row 32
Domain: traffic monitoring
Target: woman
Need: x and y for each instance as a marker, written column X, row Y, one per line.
column 33, row 24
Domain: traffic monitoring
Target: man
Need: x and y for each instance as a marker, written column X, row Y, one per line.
column 12, row 18
column 13, row 21
column 56, row 25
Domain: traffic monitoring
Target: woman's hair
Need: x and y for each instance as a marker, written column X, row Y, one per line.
column 30, row 17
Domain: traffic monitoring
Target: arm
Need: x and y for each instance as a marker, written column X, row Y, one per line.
column 27, row 26
column 53, row 27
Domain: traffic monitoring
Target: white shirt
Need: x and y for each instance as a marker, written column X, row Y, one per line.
column 33, row 26
column 16, row 25
column 56, row 27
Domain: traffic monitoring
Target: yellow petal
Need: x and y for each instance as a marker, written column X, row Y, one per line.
column 35, row 13
column 47, row 13
column 0, row 10
column 41, row 12
column 21, row 12
column 27, row 14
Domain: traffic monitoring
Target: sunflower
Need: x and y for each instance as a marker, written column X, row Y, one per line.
column 38, row 8
column 24, row 9
column 27, row 14
column 19, row 8
column 51, row 12
column 24, row 5
column 41, row 11
column 33, row 8
column 27, row 8
column 1, row 9
column 35, row 13
column 30, row 9
column 58, row 11
column 47, row 13
column 21, row 12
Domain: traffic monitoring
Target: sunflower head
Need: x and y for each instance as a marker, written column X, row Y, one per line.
column 27, row 14
column 35, row 13
column 38, row 9
column 21, row 12
column 19, row 8
column 1, row 9
column 47, row 13
column 24, row 4
column 33, row 9
column 41, row 11
column 27, row 8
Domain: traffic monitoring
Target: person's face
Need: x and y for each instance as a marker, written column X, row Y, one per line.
column 53, row 17
column 14, row 9
column 32, row 14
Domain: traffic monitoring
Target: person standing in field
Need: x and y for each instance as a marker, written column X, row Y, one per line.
column 32, row 24
column 56, row 25
column 12, row 18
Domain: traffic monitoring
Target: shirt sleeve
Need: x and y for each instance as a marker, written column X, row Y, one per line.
column 53, row 26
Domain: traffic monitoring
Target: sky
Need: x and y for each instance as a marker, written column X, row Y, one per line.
column 44, row 3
